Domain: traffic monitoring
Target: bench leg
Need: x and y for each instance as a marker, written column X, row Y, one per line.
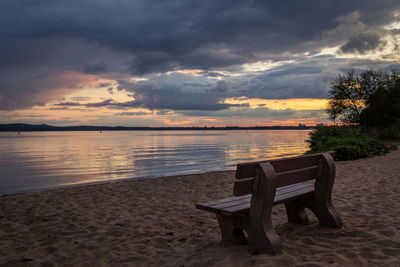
column 261, row 232
column 295, row 212
column 325, row 212
column 231, row 230
column 321, row 203
column 263, row 236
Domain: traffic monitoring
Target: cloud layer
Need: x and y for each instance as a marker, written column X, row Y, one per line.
column 41, row 41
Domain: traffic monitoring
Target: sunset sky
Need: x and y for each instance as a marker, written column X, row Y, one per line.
column 185, row 63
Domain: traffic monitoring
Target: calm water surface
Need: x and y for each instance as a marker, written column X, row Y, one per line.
column 39, row 160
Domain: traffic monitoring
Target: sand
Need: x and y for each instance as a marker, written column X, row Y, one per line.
column 154, row 222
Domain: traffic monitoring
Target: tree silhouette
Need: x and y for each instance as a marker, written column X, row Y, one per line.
column 370, row 98
column 383, row 105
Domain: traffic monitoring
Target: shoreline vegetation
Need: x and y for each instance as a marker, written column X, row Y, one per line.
column 367, row 105
column 44, row 127
column 147, row 223
column 352, row 142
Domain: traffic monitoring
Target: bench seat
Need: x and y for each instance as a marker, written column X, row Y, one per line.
column 236, row 206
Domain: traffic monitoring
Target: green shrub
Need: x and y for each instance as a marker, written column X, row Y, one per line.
column 389, row 133
column 347, row 141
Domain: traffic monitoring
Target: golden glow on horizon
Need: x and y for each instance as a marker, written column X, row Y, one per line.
column 59, row 116
column 278, row 104
column 95, row 89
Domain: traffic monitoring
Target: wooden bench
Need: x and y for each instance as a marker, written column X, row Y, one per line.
column 261, row 185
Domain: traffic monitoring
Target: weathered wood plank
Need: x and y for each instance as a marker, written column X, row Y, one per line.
column 231, row 203
column 244, row 208
column 237, row 205
column 296, row 176
column 243, row 186
column 290, row 188
column 209, row 204
column 247, row 170
column 294, row 194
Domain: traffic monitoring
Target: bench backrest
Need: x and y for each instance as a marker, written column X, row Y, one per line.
column 288, row 171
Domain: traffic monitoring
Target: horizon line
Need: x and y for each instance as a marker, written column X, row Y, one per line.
column 47, row 127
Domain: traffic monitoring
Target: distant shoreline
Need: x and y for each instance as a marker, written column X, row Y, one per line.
column 20, row 127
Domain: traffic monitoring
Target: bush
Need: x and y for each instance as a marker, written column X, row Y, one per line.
column 391, row 133
column 347, row 141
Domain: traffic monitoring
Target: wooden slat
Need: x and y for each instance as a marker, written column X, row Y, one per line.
column 239, row 205
column 294, row 194
column 284, row 165
column 247, row 170
column 290, row 188
column 243, row 187
column 296, row 176
column 216, row 202
column 230, row 208
column 232, row 204
column 209, row 205
column 244, row 208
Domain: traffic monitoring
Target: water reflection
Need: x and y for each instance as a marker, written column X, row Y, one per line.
column 38, row 160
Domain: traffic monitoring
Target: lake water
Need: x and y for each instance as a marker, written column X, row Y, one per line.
column 32, row 161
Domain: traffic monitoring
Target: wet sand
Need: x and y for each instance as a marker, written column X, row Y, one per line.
column 154, row 222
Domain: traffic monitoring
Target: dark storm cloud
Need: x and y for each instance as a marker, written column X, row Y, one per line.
column 60, row 108
column 100, row 104
column 178, row 91
column 287, row 81
column 104, row 103
column 141, row 113
column 161, row 95
column 220, row 87
column 155, row 36
column 211, row 74
column 163, row 35
column 102, row 85
column 160, row 99
column 19, row 90
column 33, row 70
column 81, row 98
column 167, row 92
column 175, row 91
column 95, row 68
column 362, row 43
column 69, row 104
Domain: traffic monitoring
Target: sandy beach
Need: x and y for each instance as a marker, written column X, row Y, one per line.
column 154, row 222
